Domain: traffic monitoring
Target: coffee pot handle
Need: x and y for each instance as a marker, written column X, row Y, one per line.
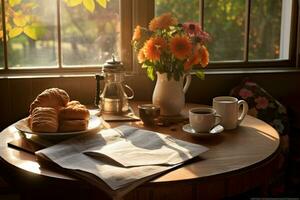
column 97, row 95
column 131, row 90
column 188, row 78
column 245, row 110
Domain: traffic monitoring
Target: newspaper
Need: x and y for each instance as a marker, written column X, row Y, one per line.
column 118, row 160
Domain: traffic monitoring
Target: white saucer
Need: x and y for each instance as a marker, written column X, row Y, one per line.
column 213, row 132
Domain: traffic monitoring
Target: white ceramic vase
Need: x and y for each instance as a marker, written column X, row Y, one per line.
column 169, row 95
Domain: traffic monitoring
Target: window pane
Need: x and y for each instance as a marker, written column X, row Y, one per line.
column 184, row 10
column 265, row 29
column 225, row 21
column 1, row 40
column 31, row 28
column 90, row 34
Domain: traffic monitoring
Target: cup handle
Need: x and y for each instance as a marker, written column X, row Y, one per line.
column 131, row 90
column 219, row 119
column 244, row 112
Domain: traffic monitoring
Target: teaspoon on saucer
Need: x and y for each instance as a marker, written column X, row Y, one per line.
column 214, row 131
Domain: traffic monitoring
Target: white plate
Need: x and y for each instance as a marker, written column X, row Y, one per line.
column 213, row 132
column 94, row 124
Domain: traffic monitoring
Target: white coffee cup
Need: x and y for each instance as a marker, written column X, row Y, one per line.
column 228, row 107
column 203, row 119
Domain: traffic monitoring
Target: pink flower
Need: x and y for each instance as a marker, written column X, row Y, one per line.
column 245, row 93
column 195, row 30
column 192, row 28
column 261, row 102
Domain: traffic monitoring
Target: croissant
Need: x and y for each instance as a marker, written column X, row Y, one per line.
column 74, row 110
column 53, row 97
column 44, row 119
column 73, row 125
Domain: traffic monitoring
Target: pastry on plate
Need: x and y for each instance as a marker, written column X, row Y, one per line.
column 73, row 125
column 44, row 119
column 53, row 97
column 74, row 110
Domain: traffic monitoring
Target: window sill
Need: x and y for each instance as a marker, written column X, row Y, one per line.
column 91, row 73
column 268, row 70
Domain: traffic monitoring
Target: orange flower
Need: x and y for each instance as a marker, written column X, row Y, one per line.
column 137, row 33
column 195, row 59
column 154, row 47
column 141, row 56
column 162, row 22
column 204, row 55
column 181, row 47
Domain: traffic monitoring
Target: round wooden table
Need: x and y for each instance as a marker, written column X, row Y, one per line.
column 237, row 160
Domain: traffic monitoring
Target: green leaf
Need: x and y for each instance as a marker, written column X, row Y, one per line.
column 169, row 75
column 200, row 74
column 20, row 21
column 144, row 66
column 102, row 3
column 89, row 5
column 13, row 3
column 15, row 32
column 31, row 32
column 72, row 3
column 149, row 63
column 8, row 27
column 151, row 73
column 176, row 76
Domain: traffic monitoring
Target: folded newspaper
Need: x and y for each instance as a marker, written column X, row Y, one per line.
column 118, row 160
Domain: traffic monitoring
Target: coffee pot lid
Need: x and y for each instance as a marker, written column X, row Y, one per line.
column 113, row 65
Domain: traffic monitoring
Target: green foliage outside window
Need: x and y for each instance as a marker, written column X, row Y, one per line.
column 88, row 4
column 31, row 30
column 20, row 20
column 225, row 21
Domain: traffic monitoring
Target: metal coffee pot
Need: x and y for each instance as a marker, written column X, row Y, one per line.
column 113, row 98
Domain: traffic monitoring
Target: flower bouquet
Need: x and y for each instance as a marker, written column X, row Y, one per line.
column 170, row 47
column 169, row 50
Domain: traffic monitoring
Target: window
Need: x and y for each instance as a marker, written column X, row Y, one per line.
column 80, row 35
column 90, row 37
column 31, row 31
column 244, row 33
column 62, row 34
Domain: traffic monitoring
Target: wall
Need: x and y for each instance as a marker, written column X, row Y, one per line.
column 17, row 93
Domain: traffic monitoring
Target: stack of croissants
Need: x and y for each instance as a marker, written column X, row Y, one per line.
column 52, row 111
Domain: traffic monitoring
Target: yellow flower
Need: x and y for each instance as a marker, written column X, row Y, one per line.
column 141, row 56
column 137, row 33
column 204, row 55
column 181, row 47
column 154, row 47
column 162, row 22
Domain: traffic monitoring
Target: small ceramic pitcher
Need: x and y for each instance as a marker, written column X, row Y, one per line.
column 169, row 95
